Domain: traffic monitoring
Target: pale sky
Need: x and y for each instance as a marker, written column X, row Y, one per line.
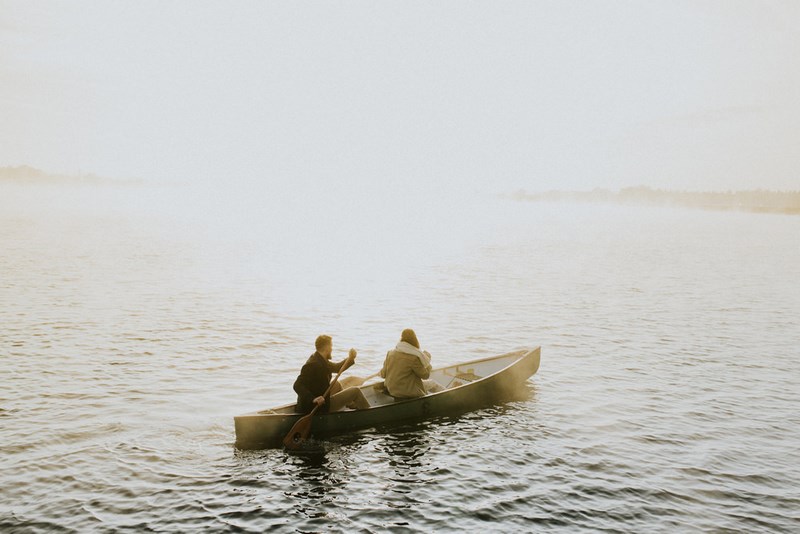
column 418, row 96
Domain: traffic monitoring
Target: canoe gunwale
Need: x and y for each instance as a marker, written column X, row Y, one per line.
column 523, row 352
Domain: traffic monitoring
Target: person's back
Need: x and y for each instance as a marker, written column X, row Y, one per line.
column 405, row 367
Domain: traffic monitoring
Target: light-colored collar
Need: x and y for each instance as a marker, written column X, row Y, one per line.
column 408, row 348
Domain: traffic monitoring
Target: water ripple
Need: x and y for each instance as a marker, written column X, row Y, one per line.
column 667, row 398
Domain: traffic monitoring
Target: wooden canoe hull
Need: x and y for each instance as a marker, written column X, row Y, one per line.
column 488, row 381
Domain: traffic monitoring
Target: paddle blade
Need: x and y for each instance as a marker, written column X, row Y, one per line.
column 299, row 433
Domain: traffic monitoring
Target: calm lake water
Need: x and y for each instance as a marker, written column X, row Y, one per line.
column 136, row 322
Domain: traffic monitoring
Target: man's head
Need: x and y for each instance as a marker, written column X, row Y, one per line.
column 324, row 345
column 409, row 337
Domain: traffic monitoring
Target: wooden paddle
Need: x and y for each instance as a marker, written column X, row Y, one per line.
column 299, row 432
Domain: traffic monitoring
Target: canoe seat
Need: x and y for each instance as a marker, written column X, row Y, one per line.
column 376, row 394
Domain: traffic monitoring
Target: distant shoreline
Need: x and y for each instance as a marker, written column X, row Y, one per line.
column 755, row 201
column 25, row 175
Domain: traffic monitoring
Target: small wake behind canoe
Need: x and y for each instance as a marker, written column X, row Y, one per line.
column 467, row 386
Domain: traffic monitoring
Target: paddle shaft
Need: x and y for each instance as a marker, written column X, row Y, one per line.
column 301, row 428
column 373, row 375
column 335, row 379
column 354, row 381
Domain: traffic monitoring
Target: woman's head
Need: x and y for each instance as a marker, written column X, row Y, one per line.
column 409, row 337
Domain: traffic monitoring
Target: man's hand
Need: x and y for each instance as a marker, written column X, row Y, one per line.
column 319, row 401
column 351, row 359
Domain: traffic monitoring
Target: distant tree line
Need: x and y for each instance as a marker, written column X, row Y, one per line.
column 26, row 174
column 757, row 200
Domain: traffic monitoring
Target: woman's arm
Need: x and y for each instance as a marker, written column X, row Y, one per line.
column 422, row 371
column 383, row 369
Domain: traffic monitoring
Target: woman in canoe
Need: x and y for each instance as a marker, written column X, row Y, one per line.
column 406, row 369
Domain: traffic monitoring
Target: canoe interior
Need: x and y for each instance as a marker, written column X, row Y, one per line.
column 451, row 377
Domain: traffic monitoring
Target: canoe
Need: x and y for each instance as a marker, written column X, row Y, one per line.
column 467, row 386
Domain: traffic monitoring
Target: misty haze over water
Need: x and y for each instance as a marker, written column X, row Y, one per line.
column 224, row 182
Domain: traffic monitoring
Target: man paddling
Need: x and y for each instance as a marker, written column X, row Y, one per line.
column 315, row 376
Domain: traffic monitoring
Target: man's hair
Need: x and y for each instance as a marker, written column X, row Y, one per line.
column 409, row 337
column 323, row 341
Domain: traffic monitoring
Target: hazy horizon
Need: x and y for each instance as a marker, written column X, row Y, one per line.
column 405, row 99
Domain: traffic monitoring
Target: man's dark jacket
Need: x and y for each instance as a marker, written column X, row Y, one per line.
column 314, row 379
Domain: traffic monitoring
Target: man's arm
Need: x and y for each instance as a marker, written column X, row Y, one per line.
column 300, row 385
column 344, row 364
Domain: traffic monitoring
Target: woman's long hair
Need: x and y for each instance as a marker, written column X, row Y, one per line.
column 409, row 337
